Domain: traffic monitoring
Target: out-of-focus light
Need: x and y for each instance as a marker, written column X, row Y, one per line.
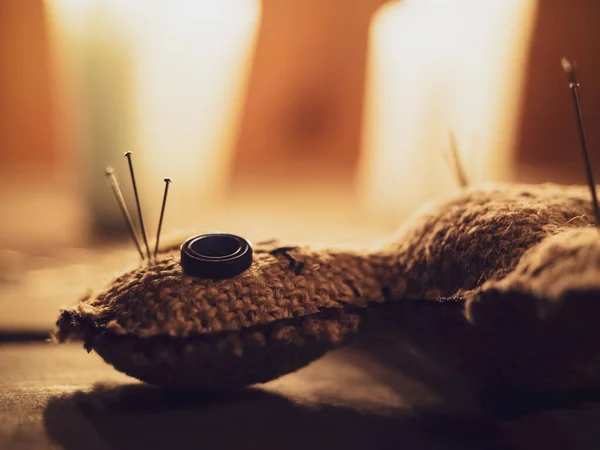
column 172, row 94
column 194, row 61
column 438, row 66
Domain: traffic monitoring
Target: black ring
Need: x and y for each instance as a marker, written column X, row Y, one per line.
column 216, row 256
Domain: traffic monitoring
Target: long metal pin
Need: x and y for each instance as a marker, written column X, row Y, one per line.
column 162, row 215
column 110, row 173
column 574, row 86
column 454, row 162
column 137, row 202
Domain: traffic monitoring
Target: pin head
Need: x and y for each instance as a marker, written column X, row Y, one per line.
column 215, row 256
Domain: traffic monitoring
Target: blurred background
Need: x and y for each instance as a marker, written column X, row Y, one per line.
column 320, row 120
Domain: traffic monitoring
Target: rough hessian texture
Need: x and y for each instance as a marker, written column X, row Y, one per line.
column 500, row 281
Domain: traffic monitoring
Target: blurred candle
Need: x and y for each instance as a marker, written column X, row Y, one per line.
column 194, row 63
column 166, row 81
column 94, row 42
column 438, row 66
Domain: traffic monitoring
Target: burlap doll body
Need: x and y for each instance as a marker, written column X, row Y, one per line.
column 499, row 281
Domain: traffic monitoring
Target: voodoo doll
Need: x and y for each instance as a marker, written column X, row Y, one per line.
column 499, row 281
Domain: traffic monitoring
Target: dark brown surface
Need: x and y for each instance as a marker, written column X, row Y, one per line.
column 59, row 397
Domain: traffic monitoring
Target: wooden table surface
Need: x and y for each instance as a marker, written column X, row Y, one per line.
column 60, row 397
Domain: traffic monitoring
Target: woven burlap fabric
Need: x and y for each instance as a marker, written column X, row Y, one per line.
column 289, row 308
column 487, row 281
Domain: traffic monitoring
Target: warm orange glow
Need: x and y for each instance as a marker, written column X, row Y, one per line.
column 179, row 78
column 438, row 66
column 194, row 62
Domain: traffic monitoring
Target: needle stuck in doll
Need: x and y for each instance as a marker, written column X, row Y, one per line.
column 500, row 281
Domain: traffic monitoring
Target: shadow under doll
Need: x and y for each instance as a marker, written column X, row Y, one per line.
column 142, row 416
column 390, row 339
column 315, row 407
column 456, row 413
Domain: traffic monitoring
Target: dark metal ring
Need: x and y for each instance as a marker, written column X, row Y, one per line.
column 216, row 256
